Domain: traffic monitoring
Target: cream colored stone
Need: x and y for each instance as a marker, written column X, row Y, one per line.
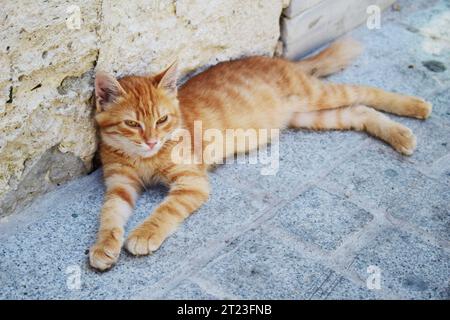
column 196, row 32
column 47, row 69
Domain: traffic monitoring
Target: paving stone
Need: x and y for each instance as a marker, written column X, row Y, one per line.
column 66, row 229
column 227, row 209
column 261, row 267
column 433, row 141
column 407, row 8
column 188, row 290
column 441, row 105
column 304, row 155
column 61, row 237
column 428, row 20
column 320, row 218
column 433, row 152
column 399, row 52
column 376, row 179
column 340, row 288
column 410, row 268
column 346, row 290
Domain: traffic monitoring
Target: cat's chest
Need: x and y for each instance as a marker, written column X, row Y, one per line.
column 151, row 170
column 148, row 173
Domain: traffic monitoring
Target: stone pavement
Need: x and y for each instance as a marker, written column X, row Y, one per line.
column 343, row 209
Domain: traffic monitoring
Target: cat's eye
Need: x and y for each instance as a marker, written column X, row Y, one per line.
column 132, row 123
column 162, row 120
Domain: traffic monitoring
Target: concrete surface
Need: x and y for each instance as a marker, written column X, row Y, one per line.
column 341, row 205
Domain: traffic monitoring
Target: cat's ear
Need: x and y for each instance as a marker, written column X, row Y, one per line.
column 107, row 90
column 167, row 79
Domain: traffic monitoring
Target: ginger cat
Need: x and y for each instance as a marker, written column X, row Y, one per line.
column 138, row 115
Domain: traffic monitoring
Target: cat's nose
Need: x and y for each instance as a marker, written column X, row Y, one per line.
column 151, row 143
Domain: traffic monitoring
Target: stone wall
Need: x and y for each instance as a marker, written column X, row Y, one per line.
column 47, row 65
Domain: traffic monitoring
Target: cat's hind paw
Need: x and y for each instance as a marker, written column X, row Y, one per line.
column 403, row 139
column 420, row 108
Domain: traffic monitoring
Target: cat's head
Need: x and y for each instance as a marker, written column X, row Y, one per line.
column 137, row 115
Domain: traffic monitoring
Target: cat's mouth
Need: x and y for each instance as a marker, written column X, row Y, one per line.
column 147, row 151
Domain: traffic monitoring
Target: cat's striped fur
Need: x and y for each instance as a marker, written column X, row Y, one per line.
column 137, row 115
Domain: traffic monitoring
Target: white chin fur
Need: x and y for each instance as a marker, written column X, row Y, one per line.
column 146, row 153
column 149, row 154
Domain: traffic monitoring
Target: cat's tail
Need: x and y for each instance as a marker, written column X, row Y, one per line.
column 333, row 59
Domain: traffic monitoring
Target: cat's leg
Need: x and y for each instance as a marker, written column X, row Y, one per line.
column 318, row 95
column 122, row 189
column 189, row 189
column 359, row 118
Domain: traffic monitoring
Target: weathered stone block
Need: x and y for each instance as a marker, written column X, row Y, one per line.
column 409, row 268
column 342, row 289
column 189, row 290
column 262, row 267
column 321, row 219
column 374, row 178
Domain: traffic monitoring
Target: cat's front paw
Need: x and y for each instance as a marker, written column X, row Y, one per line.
column 104, row 254
column 145, row 240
